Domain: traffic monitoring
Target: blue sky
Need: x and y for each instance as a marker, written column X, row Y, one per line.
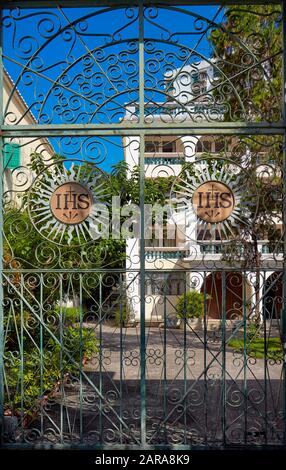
column 55, row 49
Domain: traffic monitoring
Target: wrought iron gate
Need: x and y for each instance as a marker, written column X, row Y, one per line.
column 119, row 328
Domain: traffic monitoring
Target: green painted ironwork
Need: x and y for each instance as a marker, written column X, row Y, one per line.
column 284, row 215
column 1, row 248
column 128, row 367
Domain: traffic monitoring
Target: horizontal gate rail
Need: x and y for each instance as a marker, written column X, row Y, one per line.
column 149, row 393
column 114, row 3
column 224, row 128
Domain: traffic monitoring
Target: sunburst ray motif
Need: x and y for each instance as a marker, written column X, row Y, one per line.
column 65, row 202
column 213, row 221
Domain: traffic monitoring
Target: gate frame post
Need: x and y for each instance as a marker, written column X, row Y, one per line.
column 283, row 4
column 1, row 244
column 142, row 229
column 141, row 130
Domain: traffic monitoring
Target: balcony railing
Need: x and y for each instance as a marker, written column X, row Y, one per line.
column 211, row 249
column 205, row 249
column 194, row 108
column 167, row 253
column 164, row 161
column 263, row 246
column 267, row 248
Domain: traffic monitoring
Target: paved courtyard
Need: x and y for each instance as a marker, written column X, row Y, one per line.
column 190, row 397
column 195, row 394
column 175, row 354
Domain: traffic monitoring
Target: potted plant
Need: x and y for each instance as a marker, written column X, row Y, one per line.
column 190, row 308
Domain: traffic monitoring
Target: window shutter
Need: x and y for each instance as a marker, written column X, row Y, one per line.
column 11, row 155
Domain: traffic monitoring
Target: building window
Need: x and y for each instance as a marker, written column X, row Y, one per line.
column 164, row 241
column 199, row 146
column 196, row 77
column 169, row 147
column 152, row 146
column 207, row 235
column 160, row 147
column 199, row 83
column 203, row 146
column 165, row 284
column 176, row 283
column 219, row 146
column 11, row 155
column 207, row 145
column 216, row 73
column 149, row 147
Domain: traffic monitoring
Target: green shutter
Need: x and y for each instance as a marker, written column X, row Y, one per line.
column 11, row 155
column 196, row 77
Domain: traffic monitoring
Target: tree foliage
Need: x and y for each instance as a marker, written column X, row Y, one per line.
column 247, row 50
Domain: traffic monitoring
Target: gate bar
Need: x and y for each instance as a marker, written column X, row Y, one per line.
column 1, row 248
column 115, row 4
column 284, row 216
column 142, row 229
column 220, row 128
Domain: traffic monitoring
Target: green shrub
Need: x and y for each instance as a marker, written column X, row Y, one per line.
column 190, row 305
column 253, row 330
column 70, row 315
column 120, row 315
column 77, row 344
column 34, row 384
column 76, row 341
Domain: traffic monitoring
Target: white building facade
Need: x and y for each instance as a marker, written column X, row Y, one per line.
column 170, row 261
column 18, row 151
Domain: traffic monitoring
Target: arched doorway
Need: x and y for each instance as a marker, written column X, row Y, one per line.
column 272, row 296
column 235, row 285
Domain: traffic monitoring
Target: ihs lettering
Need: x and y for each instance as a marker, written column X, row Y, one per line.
column 216, row 200
column 72, row 200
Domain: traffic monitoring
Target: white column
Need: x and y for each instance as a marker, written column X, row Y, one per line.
column 131, row 151
column 132, row 278
column 190, row 143
column 251, row 278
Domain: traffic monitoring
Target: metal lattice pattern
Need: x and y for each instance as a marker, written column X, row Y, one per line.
column 166, row 336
